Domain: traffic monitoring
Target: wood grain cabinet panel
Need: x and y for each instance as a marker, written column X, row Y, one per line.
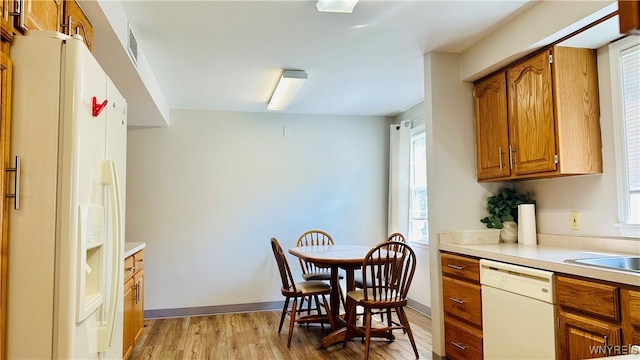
column 582, row 337
column 587, row 296
column 39, row 15
column 461, row 267
column 629, row 15
column 127, row 331
column 462, row 342
column 462, row 299
column 492, row 137
column 531, row 122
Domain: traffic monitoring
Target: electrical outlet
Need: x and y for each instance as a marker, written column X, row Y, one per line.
column 574, row 218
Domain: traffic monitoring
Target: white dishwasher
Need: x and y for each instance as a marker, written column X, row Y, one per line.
column 518, row 313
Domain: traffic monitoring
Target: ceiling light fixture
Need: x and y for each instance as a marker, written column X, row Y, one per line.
column 341, row 6
column 288, row 87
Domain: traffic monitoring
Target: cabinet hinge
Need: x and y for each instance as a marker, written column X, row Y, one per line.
column 473, row 93
column 550, row 59
column 555, row 159
column 558, row 322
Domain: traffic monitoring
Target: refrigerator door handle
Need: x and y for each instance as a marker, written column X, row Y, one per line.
column 16, row 193
column 110, row 177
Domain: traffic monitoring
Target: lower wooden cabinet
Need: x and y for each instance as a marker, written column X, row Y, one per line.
column 582, row 337
column 133, row 302
column 462, row 307
column 596, row 318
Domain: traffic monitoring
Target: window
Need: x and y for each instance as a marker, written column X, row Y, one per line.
column 418, row 222
column 625, row 84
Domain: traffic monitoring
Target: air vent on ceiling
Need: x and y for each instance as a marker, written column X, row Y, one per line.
column 132, row 44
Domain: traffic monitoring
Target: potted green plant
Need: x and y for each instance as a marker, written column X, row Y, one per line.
column 503, row 207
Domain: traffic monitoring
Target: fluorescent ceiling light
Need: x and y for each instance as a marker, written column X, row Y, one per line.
column 341, row 6
column 288, row 87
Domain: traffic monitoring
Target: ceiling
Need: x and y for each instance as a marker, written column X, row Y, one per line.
column 229, row 55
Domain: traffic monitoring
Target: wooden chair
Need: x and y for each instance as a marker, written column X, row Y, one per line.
column 358, row 277
column 295, row 291
column 311, row 271
column 387, row 272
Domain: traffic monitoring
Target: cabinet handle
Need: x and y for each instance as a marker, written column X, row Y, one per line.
column 455, row 267
column 67, row 26
column 16, row 193
column 17, row 10
column 463, row 348
column 458, row 301
column 131, row 268
column 500, row 156
column 511, row 151
column 138, row 292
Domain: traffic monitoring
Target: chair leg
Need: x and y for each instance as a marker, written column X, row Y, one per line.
column 342, row 300
column 284, row 313
column 350, row 318
column 293, row 320
column 405, row 323
column 367, row 336
column 317, row 309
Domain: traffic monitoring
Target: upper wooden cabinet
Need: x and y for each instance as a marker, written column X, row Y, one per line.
column 76, row 22
column 539, row 117
column 492, row 136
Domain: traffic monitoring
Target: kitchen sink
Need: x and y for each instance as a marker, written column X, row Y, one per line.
column 624, row 263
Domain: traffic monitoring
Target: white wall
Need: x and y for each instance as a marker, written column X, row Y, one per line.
column 207, row 193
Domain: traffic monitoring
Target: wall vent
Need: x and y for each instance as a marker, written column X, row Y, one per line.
column 132, row 44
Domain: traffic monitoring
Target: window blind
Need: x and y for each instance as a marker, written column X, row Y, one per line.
column 630, row 61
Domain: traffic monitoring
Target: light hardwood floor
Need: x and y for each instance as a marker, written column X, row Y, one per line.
column 254, row 336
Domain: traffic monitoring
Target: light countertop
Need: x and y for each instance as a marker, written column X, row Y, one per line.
column 131, row 248
column 547, row 257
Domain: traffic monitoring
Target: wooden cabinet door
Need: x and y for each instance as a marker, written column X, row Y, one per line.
column 5, row 93
column 127, row 333
column 76, row 22
column 492, row 137
column 531, row 119
column 138, row 303
column 40, row 15
column 585, row 338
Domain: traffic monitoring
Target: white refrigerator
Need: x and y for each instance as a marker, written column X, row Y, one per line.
column 66, row 237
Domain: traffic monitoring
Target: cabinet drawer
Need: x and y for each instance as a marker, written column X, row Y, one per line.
column 462, row 299
column 129, row 267
column 461, row 342
column 595, row 298
column 461, row 266
column 138, row 260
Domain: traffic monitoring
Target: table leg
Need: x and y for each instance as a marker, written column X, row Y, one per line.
column 339, row 324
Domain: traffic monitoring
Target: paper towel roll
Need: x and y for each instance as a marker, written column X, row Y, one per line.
column 527, row 224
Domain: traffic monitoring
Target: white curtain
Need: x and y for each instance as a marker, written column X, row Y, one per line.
column 399, row 152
